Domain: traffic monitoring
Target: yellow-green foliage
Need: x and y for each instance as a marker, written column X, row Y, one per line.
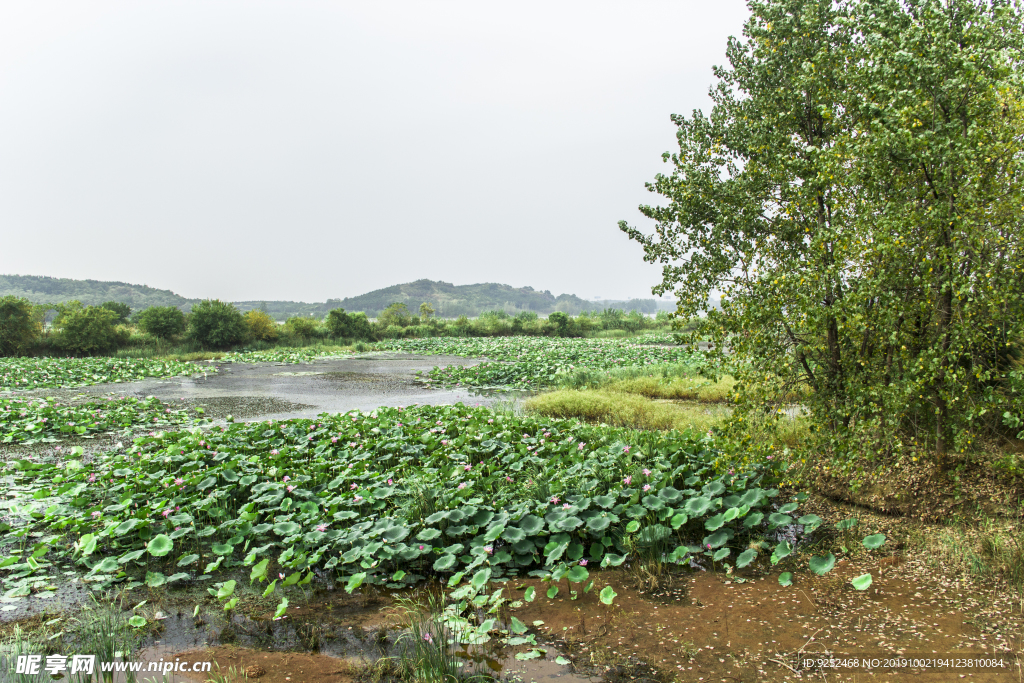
column 678, row 388
column 261, row 325
column 627, row 410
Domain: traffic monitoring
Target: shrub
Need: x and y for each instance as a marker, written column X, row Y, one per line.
column 342, row 324
column 162, row 321
column 20, row 326
column 88, row 330
column 261, row 326
column 303, row 328
column 121, row 310
column 216, row 324
column 395, row 314
column 394, row 332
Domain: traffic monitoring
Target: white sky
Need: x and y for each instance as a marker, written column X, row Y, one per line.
column 309, row 150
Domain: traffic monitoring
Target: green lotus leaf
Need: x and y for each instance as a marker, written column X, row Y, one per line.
column 745, row 558
column 444, row 563
column 286, row 528
column 607, row 595
column 578, row 574
column 428, row 534
column 874, row 541
column 155, row 579
column 513, row 534
column 160, row 545
column 598, row 524
column 531, row 524
column 605, row 501
column 862, row 582
column 822, row 564
column 753, row 520
column 187, row 560
column 786, row 579
column 222, row 548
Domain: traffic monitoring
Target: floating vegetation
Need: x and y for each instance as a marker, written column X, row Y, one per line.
column 37, row 373
column 533, row 362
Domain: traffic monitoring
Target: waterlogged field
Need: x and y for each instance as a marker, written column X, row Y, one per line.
column 47, row 420
column 56, row 373
column 534, row 362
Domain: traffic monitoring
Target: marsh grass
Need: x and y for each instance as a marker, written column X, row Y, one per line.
column 18, row 644
column 627, row 410
column 431, row 651
column 986, row 550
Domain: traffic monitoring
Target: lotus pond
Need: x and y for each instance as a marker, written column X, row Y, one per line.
column 47, row 420
column 390, row 497
column 534, row 362
column 37, row 373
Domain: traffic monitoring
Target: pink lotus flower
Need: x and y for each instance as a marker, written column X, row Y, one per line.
column 290, row 488
column 421, row 547
column 647, row 487
column 286, row 478
column 321, row 527
column 96, row 513
column 334, row 439
column 92, row 477
column 580, row 447
column 626, row 449
column 628, row 480
column 280, row 576
column 508, row 478
column 178, row 481
column 353, row 487
column 429, row 638
column 647, row 472
column 468, row 468
column 358, row 498
column 462, row 485
column 444, row 442
column 566, row 506
column 583, row 563
column 390, row 482
column 489, row 549
column 554, row 499
column 274, row 451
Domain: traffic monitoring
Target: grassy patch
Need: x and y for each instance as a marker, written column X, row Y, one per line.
column 987, row 550
column 627, row 410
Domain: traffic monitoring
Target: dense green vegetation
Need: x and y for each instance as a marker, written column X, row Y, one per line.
column 526, row 363
column 44, row 420
column 386, row 497
column 35, row 373
column 856, row 195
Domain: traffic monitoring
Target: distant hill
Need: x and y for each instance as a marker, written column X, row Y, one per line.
column 52, row 290
column 448, row 300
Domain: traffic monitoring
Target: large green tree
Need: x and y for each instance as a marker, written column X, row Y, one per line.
column 854, row 195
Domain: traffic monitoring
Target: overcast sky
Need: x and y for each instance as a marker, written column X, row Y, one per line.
column 310, row 150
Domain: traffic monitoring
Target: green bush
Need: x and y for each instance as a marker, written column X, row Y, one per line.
column 88, row 330
column 395, row 314
column 215, row 324
column 302, row 327
column 162, row 321
column 19, row 325
column 122, row 310
column 354, row 325
column 261, row 326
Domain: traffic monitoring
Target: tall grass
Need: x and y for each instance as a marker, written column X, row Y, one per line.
column 985, row 550
column 431, row 654
column 627, row 410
